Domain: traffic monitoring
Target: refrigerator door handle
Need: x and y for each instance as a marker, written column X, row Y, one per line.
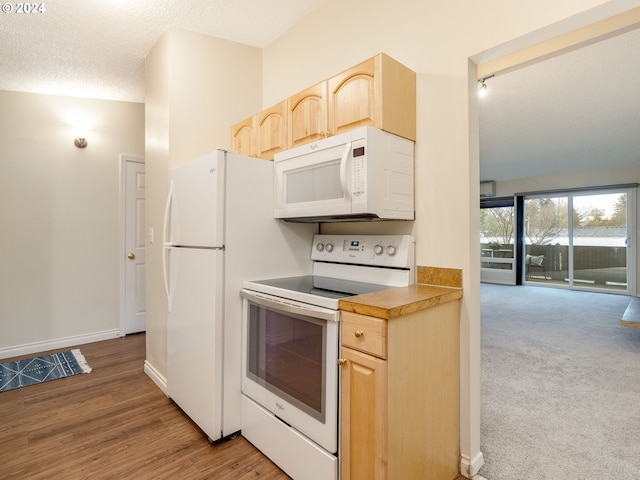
column 166, row 251
column 166, row 248
column 166, row 227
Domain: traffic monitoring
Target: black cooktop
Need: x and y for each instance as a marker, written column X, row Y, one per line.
column 327, row 287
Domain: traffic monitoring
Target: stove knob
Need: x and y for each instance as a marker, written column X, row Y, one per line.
column 320, row 247
column 329, row 247
column 391, row 250
column 378, row 249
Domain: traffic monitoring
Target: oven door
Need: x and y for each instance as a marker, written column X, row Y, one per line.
column 314, row 180
column 290, row 363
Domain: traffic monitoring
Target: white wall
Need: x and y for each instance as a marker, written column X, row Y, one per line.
column 196, row 87
column 589, row 178
column 59, row 205
column 435, row 39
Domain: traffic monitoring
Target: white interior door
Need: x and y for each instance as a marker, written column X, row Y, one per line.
column 134, row 318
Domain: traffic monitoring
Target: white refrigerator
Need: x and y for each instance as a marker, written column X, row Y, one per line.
column 218, row 231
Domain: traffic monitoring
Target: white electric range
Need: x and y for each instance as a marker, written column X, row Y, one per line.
column 291, row 345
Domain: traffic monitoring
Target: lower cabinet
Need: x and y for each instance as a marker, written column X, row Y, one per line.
column 400, row 395
column 364, row 420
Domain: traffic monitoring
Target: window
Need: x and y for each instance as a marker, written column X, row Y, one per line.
column 497, row 234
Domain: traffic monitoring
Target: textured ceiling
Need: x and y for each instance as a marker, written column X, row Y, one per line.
column 577, row 111
column 96, row 48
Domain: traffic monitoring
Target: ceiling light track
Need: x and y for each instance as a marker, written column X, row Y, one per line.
column 482, row 87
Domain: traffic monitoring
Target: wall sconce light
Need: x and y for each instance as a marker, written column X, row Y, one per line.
column 81, row 133
column 80, row 125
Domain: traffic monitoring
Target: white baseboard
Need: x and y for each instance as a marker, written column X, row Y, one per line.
column 45, row 345
column 470, row 468
column 154, row 375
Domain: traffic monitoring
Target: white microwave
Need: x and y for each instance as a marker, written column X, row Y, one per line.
column 363, row 174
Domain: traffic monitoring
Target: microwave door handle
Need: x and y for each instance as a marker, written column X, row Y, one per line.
column 343, row 170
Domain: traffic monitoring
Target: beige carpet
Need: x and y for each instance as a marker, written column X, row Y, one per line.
column 560, row 385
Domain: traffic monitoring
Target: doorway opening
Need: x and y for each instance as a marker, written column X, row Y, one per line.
column 513, row 56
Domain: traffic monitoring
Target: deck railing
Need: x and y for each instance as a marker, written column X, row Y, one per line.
column 593, row 266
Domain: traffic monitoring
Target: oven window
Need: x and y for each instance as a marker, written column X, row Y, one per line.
column 286, row 355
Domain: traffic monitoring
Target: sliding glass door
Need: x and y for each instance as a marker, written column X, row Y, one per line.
column 600, row 238
column 546, row 226
column 582, row 240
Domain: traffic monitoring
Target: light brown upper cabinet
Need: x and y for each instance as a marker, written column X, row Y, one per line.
column 379, row 92
column 271, row 127
column 243, row 137
column 307, row 115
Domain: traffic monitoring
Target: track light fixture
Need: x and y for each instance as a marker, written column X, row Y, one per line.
column 482, row 87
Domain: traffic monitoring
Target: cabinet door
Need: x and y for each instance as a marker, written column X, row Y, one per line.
column 352, row 99
column 379, row 92
column 243, row 136
column 364, row 417
column 307, row 115
column 271, row 125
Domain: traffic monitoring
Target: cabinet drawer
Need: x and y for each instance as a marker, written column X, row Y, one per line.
column 367, row 334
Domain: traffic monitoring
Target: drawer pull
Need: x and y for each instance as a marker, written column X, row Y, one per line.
column 359, row 333
column 342, row 361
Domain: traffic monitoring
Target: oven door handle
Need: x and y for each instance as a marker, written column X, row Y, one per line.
column 291, row 306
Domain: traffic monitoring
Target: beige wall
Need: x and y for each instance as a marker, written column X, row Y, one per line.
column 436, row 39
column 157, row 123
column 196, row 87
column 59, row 205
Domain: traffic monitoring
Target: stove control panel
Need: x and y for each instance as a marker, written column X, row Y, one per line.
column 376, row 250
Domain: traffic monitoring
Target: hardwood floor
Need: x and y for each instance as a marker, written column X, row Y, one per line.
column 114, row 423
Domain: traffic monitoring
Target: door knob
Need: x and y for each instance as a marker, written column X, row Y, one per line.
column 131, row 256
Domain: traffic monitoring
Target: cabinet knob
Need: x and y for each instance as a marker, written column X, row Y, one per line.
column 342, row 361
column 359, row 333
column 131, row 256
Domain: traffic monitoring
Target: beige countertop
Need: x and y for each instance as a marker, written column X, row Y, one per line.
column 399, row 301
